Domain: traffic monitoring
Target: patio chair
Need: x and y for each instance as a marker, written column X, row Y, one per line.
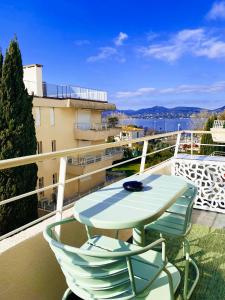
column 176, row 223
column 106, row 268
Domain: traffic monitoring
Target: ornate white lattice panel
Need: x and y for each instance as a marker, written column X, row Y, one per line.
column 209, row 177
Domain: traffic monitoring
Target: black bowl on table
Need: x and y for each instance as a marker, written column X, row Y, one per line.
column 133, row 186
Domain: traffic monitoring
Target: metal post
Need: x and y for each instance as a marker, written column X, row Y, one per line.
column 139, row 236
column 177, row 145
column 143, row 157
column 60, row 196
column 191, row 143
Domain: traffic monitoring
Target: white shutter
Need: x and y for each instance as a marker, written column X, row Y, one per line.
column 84, row 119
column 52, row 116
column 38, row 117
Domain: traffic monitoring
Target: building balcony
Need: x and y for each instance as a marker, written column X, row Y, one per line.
column 94, row 132
column 29, row 269
column 86, row 164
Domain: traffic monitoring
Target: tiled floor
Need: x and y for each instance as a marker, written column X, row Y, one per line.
column 208, row 218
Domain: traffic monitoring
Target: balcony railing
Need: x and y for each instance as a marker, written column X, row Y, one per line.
column 83, row 161
column 62, row 181
column 91, row 126
column 66, row 91
column 218, row 123
column 64, row 154
column 94, row 126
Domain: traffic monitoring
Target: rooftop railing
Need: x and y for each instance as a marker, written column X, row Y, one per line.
column 63, row 156
column 66, row 91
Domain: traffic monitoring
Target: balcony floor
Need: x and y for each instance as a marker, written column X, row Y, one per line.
column 209, row 219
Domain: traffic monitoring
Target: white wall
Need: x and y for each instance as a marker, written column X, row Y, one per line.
column 32, row 76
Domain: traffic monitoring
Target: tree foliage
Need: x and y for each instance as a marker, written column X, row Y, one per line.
column 207, row 138
column 112, row 121
column 17, row 138
column 1, row 64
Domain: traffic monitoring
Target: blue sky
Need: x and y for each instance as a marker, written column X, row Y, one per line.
column 144, row 53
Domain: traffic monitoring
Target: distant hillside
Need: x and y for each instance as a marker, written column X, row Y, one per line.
column 164, row 112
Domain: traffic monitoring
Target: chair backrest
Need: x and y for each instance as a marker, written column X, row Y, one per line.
column 190, row 196
column 184, row 205
column 92, row 271
column 91, row 275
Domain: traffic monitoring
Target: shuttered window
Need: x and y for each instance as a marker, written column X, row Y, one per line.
column 52, row 116
column 39, row 147
column 37, row 116
column 41, row 185
column 53, row 145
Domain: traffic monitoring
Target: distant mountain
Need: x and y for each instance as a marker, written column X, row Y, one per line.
column 218, row 110
column 164, row 112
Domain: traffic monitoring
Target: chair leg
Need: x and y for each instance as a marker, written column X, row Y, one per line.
column 188, row 260
column 66, row 294
column 170, row 280
column 186, row 270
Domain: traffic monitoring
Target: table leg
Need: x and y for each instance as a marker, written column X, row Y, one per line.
column 139, row 236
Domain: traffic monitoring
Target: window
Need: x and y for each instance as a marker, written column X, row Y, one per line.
column 52, row 116
column 39, row 147
column 41, row 185
column 37, row 117
column 53, row 145
column 54, row 178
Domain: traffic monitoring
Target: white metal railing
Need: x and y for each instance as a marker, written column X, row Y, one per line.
column 63, row 155
column 218, row 123
column 94, row 126
column 66, row 91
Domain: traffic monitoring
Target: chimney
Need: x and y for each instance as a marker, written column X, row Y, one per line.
column 32, row 77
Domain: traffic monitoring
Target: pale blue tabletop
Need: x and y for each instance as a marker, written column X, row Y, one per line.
column 112, row 207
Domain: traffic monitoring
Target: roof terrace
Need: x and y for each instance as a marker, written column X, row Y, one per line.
column 35, row 85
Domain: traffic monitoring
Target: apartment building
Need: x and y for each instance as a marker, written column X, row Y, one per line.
column 67, row 117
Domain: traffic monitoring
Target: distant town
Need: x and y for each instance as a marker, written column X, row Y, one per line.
column 161, row 112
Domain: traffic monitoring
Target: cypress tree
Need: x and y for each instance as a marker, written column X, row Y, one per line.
column 1, row 63
column 17, row 138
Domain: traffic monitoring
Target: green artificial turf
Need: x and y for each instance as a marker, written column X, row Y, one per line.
column 208, row 251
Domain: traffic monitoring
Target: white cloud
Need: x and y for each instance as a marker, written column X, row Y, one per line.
column 120, row 39
column 151, row 35
column 109, row 52
column 217, row 11
column 81, row 42
column 195, row 42
column 104, row 53
column 181, row 89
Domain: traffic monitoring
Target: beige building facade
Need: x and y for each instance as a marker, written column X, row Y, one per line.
column 65, row 122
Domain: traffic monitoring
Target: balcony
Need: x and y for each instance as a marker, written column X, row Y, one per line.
column 29, row 269
column 86, row 164
column 94, row 132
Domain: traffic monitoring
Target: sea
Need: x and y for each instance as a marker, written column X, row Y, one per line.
column 161, row 125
